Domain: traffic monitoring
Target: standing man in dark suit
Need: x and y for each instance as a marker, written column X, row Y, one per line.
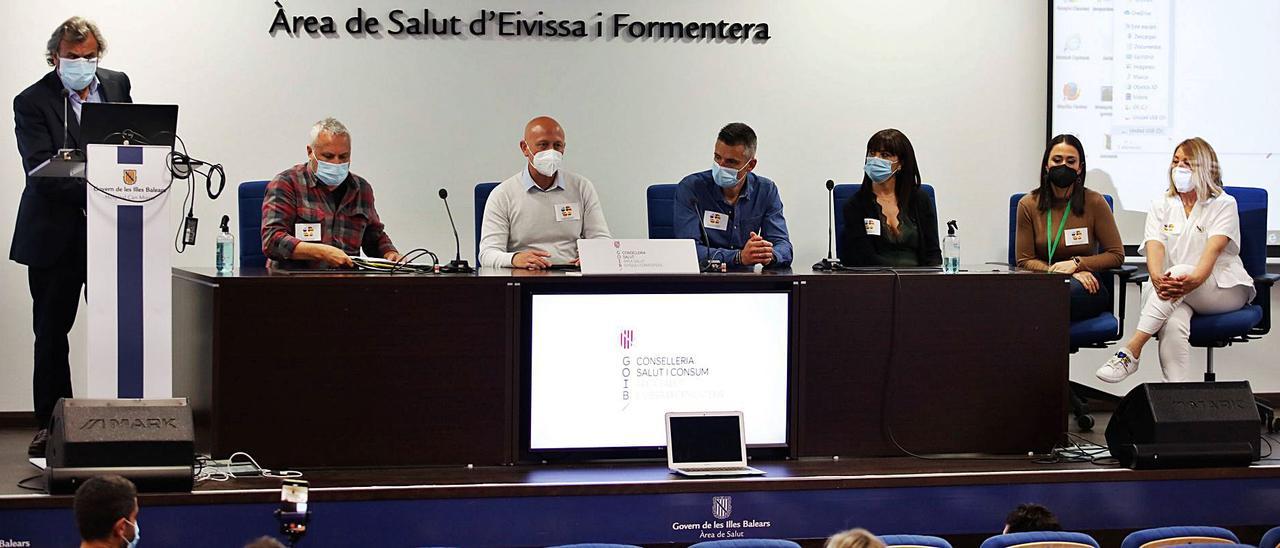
column 49, row 234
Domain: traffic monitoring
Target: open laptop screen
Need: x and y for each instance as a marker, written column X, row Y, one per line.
column 705, row 439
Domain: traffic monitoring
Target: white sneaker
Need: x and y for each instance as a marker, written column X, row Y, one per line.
column 1121, row 365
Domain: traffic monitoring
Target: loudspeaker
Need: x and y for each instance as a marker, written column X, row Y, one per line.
column 1186, row 424
column 150, row 442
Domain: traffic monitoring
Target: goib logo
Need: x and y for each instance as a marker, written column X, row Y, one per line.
column 721, row 507
column 626, row 338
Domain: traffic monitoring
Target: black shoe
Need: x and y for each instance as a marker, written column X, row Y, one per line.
column 38, row 444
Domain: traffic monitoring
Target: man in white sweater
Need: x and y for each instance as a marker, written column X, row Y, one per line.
column 534, row 218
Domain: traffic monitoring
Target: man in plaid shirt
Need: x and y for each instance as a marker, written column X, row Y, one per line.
column 317, row 214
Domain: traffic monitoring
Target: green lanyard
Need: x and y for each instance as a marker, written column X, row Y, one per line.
column 1048, row 227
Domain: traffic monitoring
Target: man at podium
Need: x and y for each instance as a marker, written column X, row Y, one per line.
column 49, row 234
column 318, row 214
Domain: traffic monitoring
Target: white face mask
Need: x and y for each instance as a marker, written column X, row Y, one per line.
column 548, row 162
column 1182, row 179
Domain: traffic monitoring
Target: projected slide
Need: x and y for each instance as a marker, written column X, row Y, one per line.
column 1132, row 78
column 605, row 368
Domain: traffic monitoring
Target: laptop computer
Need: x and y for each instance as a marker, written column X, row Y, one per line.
column 709, row 443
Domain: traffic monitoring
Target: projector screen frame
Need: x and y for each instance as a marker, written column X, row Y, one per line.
column 710, row 284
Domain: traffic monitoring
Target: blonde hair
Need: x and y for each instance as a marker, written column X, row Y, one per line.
column 1205, row 170
column 854, row 538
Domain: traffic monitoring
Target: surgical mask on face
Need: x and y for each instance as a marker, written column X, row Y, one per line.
column 137, row 535
column 77, row 74
column 1062, row 176
column 723, row 176
column 1182, row 179
column 332, row 174
column 878, row 169
column 548, row 162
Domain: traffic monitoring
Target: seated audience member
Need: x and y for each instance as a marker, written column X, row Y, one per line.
column 1192, row 245
column 890, row 221
column 264, row 542
column 535, row 218
column 106, row 509
column 317, row 214
column 854, row 538
column 1030, row 517
column 1066, row 228
column 739, row 211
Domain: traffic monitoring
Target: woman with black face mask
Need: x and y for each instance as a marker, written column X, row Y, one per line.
column 1066, row 228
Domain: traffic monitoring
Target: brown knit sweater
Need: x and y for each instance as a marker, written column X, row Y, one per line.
column 1103, row 249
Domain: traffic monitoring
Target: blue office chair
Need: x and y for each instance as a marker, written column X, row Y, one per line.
column 1057, row 539
column 844, row 191
column 481, row 198
column 595, row 545
column 1096, row 332
column 913, row 541
column 662, row 203
column 250, row 208
column 1271, row 539
column 1166, row 536
column 746, row 543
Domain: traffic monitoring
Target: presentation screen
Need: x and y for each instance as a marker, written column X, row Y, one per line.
column 604, row 369
column 1133, row 78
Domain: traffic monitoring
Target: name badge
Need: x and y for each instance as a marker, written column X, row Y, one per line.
column 715, row 220
column 1171, row 228
column 1077, row 236
column 568, row 212
column 872, row 225
column 307, row 232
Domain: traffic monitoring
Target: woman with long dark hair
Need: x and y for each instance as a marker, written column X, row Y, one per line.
column 1066, row 228
column 890, row 221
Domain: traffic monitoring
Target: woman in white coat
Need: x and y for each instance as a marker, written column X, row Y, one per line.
column 1192, row 245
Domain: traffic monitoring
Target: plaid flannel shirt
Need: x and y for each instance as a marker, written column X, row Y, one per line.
column 295, row 196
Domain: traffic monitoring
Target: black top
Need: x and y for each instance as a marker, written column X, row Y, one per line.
column 861, row 249
column 51, row 221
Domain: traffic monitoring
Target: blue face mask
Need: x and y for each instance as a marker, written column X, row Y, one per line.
column 137, row 534
column 77, row 74
column 332, row 174
column 878, row 169
column 723, row 176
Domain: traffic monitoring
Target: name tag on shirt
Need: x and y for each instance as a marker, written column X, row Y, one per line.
column 715, row 220
column 1171, row 228
column 1077, row 236
column 568, row 212
column 872, row 225
column 307, row 232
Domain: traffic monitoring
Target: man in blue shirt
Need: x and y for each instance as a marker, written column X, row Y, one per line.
column 738, row 212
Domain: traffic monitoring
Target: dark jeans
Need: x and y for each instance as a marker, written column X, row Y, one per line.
column 55, row 295
column 1085, row 305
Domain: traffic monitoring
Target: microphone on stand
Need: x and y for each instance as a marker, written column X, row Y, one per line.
column 457, row 264
column 66, row 152
column 830, row 263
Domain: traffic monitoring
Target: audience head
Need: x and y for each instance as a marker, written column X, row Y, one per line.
column 1063, row 167
column 891, row 158
column 543, row 145
column 264, row 542
column 854, row 538
column 1195, row 167
column 735, row 154
column 330, row 151
column 106, row 509
column 1031, row 517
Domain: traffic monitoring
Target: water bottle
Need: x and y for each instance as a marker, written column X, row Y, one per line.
column 225, row 257
column 951, row 250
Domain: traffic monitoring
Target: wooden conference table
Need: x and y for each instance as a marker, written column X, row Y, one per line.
column 362, row 370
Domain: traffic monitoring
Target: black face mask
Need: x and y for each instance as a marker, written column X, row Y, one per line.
column 1062, row 176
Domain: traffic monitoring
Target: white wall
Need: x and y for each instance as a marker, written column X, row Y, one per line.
column 965, row 80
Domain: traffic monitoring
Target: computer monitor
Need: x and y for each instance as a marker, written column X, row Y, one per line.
column 113, row 123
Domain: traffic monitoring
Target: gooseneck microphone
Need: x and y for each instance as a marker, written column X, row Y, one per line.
column 457, row 264
column 66, row 152
column 830, row 263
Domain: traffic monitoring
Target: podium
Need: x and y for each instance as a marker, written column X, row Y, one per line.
column 129, row 289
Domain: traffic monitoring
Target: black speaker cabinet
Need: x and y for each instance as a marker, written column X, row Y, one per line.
column 148, row 441
column 1186, row 424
